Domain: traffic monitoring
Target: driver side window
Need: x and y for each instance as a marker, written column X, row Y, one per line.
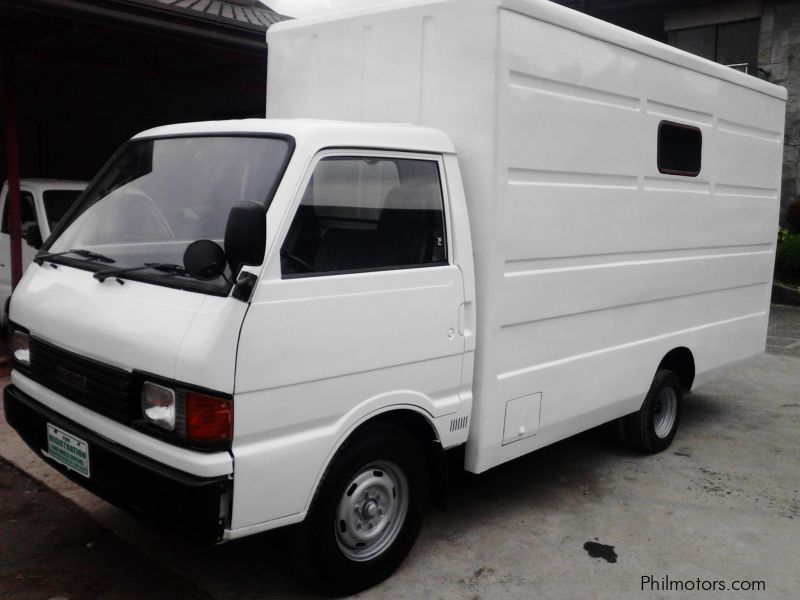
column 27, row 211
column 364, row 214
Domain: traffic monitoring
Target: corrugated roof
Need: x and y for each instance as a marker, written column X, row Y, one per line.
column 248, row 13
column 232, row 23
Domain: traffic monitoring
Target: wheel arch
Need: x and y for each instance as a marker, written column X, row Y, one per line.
column 680, row 361
column 420, row 426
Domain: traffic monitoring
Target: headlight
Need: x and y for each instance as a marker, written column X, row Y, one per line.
column 158, row 405
column 191, row 415
column 20, row 348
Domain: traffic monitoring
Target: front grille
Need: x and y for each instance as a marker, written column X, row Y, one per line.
column 99, row 387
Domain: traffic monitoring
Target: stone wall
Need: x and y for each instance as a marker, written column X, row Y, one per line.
column 779, row 56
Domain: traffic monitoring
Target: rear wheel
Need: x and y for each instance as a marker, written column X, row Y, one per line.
column 367, row 512
column 653, row 427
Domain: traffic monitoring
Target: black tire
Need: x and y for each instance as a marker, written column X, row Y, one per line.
column 319, row 551
column 651, row 429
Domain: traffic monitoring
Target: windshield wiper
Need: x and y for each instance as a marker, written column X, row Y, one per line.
column 39, row 259
column 164, row 267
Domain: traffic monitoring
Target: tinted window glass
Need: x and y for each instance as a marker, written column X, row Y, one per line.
column 361, row 213
column 737, row 43
column 57, row 203
column 679, row 149
column 734, row 44
column 698, row 40
column 28, row 211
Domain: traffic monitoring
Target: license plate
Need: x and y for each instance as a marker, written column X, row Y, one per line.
column 70, row 451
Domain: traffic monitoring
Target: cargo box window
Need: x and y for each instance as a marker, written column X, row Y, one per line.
column 680, row 149
column 361, row 214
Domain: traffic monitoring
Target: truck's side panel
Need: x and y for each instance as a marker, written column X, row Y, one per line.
column 618, row 263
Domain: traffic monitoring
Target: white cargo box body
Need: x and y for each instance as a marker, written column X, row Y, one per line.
column 591, row 264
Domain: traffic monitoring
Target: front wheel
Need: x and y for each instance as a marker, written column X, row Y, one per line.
column 367, row 512
column 653, row 427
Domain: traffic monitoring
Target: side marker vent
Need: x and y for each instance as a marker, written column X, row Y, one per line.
column 459, row 423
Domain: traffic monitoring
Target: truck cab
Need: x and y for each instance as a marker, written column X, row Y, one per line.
column 212, row 398
column 43, row 203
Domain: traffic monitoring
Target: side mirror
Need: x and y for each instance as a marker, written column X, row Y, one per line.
column 246, row 235
column 204, row 259
column 33, row 236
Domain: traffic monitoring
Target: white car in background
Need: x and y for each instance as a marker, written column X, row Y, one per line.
column 43, row 202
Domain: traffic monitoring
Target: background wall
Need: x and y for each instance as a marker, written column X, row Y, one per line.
column 779, row 54
column 89, row 74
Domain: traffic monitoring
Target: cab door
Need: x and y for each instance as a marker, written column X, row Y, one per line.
column 358, row 311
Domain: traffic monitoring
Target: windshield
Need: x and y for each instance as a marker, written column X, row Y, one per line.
column 159, row 195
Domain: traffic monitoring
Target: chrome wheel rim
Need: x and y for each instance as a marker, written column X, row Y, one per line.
column 666, row 411
column 371, row 511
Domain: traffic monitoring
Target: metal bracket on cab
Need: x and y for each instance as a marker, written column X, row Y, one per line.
column 243, row 288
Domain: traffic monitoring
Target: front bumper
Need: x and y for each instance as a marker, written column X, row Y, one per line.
column 196, row 507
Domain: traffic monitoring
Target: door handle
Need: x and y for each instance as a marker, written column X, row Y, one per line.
column 466, row 319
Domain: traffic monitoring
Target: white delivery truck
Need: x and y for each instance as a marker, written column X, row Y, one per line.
column 43, row 202
column 251, row 324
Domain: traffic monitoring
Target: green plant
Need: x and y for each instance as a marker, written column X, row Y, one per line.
column 782, row 233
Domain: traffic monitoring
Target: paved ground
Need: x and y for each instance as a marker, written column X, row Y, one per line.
column 784, row 331
column 52, row 548
column 584, row 518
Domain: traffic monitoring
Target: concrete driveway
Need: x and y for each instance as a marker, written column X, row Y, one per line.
column 584, row 518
